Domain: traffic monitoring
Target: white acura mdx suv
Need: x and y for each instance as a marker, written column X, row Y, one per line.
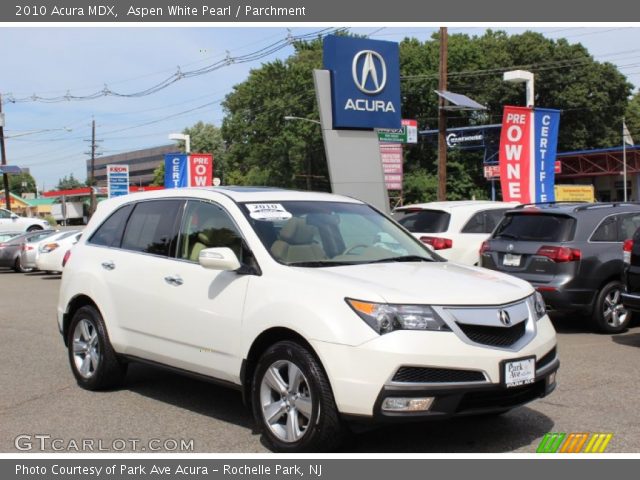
column 319, row 308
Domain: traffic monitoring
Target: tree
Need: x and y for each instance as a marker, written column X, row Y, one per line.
column 632, row 118
column 205, row 138
column 69, row 183
column 22, row 183
column 263, row 147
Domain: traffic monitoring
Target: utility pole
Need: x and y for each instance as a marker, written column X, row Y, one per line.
column 92, row 173
column 3, row 156
column 442, row 119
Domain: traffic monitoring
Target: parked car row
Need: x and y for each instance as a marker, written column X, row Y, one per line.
column 36, row 250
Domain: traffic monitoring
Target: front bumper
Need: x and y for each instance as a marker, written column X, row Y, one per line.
column 363, row 376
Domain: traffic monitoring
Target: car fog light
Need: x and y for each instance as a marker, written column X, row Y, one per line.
column 400, row 404
column 551, row 379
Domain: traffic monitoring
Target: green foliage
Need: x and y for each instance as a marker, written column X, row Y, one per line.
column 52, row 221
column 69, row 183
column 205, row 138
column 263, row 147
column 16, row 184
column 632, row 119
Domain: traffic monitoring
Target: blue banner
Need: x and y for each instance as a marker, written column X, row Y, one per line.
column 176, row 170
column 365, row 82
column 546, row 124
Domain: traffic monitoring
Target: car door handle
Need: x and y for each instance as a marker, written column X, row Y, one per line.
column 108, row 265
column 174, row 280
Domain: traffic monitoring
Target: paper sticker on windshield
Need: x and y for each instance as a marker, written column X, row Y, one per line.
column 271, row 212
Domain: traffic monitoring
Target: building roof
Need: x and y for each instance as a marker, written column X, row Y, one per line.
column 40, row 201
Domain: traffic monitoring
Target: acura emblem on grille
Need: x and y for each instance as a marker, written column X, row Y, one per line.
column 510, row 247
column 504, row 317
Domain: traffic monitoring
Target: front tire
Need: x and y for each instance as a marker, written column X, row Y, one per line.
column 91, row 356
column 34, row 228
column 609, row 314
column 292, row 401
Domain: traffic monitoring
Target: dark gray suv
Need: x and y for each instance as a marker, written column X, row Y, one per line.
column 571, row 253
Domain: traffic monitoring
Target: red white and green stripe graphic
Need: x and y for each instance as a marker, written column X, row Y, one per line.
column 574, row 443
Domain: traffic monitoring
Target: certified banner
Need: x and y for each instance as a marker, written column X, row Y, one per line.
column 527, row 154
column 176, row 170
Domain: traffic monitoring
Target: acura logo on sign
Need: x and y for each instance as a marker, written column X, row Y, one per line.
column 366, row 72
column 504, row 317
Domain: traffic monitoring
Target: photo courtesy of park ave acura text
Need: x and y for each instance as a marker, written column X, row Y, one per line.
column 305, row 237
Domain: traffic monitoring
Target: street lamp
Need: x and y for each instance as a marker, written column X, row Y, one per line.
column 519, row 76
column 184, row 137
column 293, row 117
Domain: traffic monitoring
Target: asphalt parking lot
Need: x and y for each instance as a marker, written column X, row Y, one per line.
column 598, row 389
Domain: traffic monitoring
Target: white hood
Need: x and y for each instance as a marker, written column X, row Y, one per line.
column 437, row 283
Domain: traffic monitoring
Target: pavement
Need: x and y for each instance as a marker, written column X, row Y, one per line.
column 41, row 405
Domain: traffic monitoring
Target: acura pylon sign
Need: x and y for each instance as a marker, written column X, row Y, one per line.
column 365, row 82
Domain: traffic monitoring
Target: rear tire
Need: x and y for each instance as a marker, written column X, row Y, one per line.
column 291, row 388
column 92, row 359
column 17, row 266
column 609, row 314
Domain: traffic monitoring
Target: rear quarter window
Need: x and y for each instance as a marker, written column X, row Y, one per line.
column 536, row 227
column 109, row 234
column 423, row 221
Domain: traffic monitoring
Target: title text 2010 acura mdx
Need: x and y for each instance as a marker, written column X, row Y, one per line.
column 321, row 310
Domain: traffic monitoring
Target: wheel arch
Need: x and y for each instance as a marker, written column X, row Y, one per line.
column 76, row 303
column 259, row 346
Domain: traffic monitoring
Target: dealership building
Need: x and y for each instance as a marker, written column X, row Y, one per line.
column 141, row 163
column 603, row 169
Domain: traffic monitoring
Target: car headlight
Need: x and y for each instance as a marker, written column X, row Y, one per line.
column 538, row 305
column 385, row 318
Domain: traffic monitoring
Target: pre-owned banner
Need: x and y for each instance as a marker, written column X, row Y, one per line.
column 527, row 154
column 181, row 170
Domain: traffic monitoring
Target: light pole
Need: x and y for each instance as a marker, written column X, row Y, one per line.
column 293, row 117
column 519, row 76
column 185, row 138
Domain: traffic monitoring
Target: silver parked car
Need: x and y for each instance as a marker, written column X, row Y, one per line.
column 10, row 250
column 31, row 250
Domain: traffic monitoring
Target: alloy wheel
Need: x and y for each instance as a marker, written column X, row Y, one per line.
column 286, row 401
column 614, row 312
column 86, row 348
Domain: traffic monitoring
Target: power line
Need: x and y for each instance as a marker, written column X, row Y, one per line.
column 106, row 91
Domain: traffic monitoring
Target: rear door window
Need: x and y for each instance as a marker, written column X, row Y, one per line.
column 423, row 221
column 109, row 234
column 536, row 227
column 153, row 227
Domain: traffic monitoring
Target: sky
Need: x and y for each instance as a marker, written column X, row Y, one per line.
column 52, row 138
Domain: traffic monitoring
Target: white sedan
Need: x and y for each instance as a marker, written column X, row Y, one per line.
column 51, row 254
column 454, row 229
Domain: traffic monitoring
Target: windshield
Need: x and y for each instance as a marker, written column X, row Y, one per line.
column 316, row 234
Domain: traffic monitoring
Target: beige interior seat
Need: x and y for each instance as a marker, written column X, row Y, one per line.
column 295, row 243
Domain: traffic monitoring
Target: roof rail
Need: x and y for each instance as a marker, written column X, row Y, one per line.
column 523, row 205
column 603, row 205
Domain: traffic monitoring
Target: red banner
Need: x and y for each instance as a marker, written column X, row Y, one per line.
column 200, row 169
column 515, row 154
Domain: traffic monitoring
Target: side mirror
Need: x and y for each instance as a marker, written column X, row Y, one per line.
column 222, row 258
column 14, row 216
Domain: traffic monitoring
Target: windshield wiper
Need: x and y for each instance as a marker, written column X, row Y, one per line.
column 403, row 258
column 318, row 263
